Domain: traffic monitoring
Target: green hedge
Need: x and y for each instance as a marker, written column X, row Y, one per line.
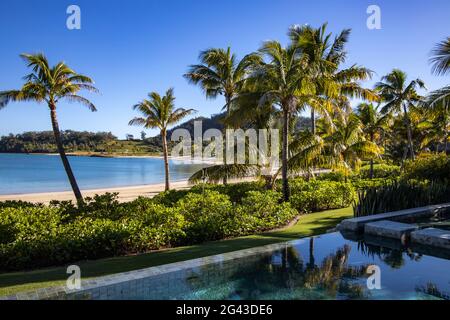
column 33, row 236
column 380, row 171
column 320, row 195
column 431, row 168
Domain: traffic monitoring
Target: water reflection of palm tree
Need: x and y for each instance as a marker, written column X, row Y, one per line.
column 284, row 274
column 392, row 257
column 311, row 263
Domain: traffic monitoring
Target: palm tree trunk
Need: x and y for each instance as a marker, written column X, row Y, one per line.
column 313, row 121
column 166, row 159
column 62, row 154
column 408, row 129
column 225, row 177
column 284, row 155
column 371, row 160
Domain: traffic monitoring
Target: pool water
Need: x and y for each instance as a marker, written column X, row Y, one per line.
column 324, row 267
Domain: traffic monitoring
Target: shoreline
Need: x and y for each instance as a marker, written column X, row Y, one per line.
column 114, row 156
column 126, row 194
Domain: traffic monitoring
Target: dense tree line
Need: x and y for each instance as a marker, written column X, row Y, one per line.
column 44, row 142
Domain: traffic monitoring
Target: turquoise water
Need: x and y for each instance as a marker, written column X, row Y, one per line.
column 324, row 267
column 22, row 173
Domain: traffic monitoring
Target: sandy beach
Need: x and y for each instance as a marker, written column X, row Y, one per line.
column 125, row 193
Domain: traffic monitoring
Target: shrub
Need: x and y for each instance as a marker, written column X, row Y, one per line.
column 363, row 184
column 18, row 204
column 234, row 191
column 338, row 176
column 153, row 226
column 380, row 171
column 261, row 210
column 169, row 198
column 209, row 216
column 317, row 195
column 430, row 167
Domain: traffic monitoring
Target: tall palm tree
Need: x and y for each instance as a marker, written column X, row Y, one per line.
column 400, row 96
column 159, row 112
column 283, row 81
column 220, row 73
column 440, row 58
column 373, row 124
column 439, row 100
column 325, row 56
column 50, row 85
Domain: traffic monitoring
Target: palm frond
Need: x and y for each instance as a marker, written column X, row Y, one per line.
column 216, row 173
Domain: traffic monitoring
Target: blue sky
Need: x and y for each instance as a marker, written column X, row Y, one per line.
column 133, row 47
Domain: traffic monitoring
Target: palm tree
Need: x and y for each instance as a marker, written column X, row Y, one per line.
column 440, row 58
column 346, row 146
column 282, row 81
column 400, row 96
column 220, row 73
column 325, row 57
column 159, row 112
column 340, row 145
column 439, row 100
column 49, row 85
column 373, row 124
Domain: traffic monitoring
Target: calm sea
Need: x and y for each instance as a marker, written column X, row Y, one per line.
column 22, row 173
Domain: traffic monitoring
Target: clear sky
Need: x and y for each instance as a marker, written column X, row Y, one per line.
column 133, row 47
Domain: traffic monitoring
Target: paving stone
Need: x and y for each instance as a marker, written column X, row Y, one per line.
column 390, row 229
column 432, row 237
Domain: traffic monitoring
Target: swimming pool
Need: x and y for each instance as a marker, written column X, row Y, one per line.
column 324, row 267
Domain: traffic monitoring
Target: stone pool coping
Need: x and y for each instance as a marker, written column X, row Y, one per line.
column 62, row 292
column 357, row 224
column 390, row 229
column 432, row 237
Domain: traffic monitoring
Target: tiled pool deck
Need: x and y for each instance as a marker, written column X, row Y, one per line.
column 139, row 282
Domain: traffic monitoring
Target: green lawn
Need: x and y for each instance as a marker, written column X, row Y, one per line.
column 312, row 224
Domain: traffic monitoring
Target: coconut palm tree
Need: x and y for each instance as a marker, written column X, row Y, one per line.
column 220, row 73
column 326, row 55
column 439, row 100
column 440, row 58
column 50, row 85
column 400, row 96
column 159, row 112
column 340, row 145
column 373, row 124
column 283, row 81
